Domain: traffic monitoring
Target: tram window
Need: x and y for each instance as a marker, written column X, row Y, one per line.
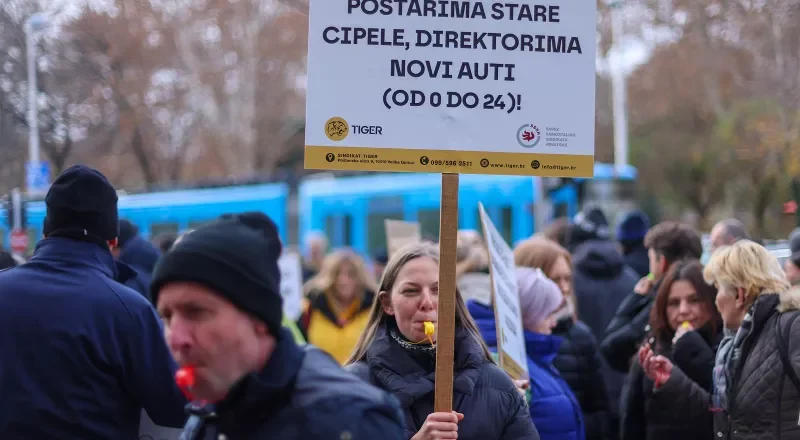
column 376, row 230
column 429, row 223
column 157, row 229
column 506, row 225
column 339, row 237
column 330, row 231
column 348, row 228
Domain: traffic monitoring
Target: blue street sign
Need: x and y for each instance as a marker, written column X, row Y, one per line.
column 37, row 176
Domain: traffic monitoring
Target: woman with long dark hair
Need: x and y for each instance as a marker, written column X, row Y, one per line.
column 686, row 328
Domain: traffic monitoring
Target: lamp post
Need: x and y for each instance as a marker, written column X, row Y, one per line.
column 618, row 88
column 34, row 24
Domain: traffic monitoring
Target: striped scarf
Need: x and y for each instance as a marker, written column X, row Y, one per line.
column 727, row 360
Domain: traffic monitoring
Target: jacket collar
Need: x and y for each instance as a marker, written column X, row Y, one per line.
column 790, row 299
column 321, row 302
column 83, row 253
column 540, row 348
column 261, row 395
column 398, row 373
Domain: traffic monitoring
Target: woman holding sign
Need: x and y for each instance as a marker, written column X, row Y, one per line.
column 553, row 407
column 397, row 354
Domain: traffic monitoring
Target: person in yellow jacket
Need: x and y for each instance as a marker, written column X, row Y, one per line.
column 339, row 300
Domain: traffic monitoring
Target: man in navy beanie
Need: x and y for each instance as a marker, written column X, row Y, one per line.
column 218, row 290
column 630, row 235
column 82, row 354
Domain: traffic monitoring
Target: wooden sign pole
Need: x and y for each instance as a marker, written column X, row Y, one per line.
column 445, row 336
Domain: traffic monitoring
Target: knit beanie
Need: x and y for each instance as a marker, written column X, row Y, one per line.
column 590, row 224
column 127, row 231
column 82, row 199
column 539, row 297
column 236, row 257
column 633, row 226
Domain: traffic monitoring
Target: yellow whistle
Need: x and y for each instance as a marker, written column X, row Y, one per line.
column 685, row 324
column 428, row 328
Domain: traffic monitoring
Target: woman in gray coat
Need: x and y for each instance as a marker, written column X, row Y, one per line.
column 756, row 393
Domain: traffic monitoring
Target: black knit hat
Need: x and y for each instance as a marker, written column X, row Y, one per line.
column 237, row 257
column 589, row 224
column 127, row 231
column 81, row 198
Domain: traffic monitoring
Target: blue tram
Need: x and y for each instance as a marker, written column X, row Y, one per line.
column 351, row 210
column 178, row 211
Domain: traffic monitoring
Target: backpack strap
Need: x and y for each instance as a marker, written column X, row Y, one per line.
column 783, row 349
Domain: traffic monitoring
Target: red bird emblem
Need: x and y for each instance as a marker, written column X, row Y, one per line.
column 528, row 136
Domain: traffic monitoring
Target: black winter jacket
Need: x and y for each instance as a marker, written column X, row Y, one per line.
column 301, row 394
column 628, row 329
column 492, row 406
column 579, row 363
column 647, row 418
column 638, row 260
column 602, row 280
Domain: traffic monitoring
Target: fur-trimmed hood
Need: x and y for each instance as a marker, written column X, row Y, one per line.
column 789, row 299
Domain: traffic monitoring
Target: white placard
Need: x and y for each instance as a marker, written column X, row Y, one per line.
column 400, row 233
column 470, row 86
column 291, row 284
column 505, row 296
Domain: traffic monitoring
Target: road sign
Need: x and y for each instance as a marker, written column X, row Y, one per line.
column 37, row 177
column 476, row 87
column 19, row 241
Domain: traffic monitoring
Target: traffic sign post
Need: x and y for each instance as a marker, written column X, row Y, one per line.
column 37, row 177
column 19, row 241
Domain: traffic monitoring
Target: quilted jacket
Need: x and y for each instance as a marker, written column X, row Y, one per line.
column 764, row 403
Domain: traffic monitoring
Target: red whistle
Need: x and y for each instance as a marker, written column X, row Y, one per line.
column 185, row 379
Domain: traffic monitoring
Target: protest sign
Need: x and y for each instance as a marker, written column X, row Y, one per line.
column 291, row 284
column 400, row 233
column 505, row 298
column 481, row 87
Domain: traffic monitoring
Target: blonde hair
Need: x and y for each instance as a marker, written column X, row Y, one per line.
column 471, row 252
column 543, row 253
column 325, row 280
column 746, row 265
column 377, row 316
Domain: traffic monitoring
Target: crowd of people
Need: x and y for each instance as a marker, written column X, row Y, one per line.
column 628, row 335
